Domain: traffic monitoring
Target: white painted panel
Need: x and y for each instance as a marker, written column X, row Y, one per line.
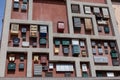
column 84, row 67
column 75, row 42
column 100, row 50
column 105, row 12
column 100, row 59
column 82, row 43
column 110, row 74
column 16, row 0
column 105, row 44
column 25, row 44
column 43, row 29
column 87, row 10
column 64, row 67
column 96, row 10
column 51, row 66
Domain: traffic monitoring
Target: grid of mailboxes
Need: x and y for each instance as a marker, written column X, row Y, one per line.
column 102, row 49
column 16, row 64
column 70, row 47
column 28, row 35
column 22, row 4
column 102, row 17
column 81, row 25
column 44, row 68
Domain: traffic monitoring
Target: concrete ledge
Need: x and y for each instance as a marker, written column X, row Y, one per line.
column 70, row 78
column 108, row 68
column 100, row 37
column 90, row 4
column 63, row 58
column 20, row 49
